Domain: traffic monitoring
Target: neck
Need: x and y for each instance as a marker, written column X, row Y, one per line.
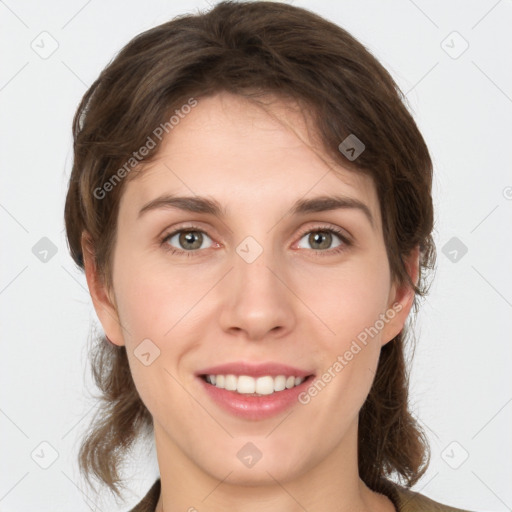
column 330, row 484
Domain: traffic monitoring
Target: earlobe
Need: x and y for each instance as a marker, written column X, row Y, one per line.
column 401, row 299
column 103, row 304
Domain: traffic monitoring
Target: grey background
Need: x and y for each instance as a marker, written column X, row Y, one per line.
column 461, row 99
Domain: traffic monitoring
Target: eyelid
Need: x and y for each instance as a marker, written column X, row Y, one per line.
column 344, row 236
column 312, row 226
column 167, row 232
column 341, row 232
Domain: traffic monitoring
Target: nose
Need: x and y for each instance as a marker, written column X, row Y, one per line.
column 256, row 301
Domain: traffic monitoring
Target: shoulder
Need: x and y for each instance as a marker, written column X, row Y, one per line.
column 404, row 499
column 149, row 502
column 411, row 501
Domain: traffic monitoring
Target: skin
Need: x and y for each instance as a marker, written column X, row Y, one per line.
column 291, row 305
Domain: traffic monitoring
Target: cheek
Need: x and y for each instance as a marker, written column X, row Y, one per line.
column 151, row 301
column 350, row 302
column 155, row 309
column 351, row 298
column 160, row 308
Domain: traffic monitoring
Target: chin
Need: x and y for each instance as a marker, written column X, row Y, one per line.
column 249, row 466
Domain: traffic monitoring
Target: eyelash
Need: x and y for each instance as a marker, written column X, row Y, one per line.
column 321, row 229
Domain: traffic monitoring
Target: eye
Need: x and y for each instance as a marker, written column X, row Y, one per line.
column 188, row 240
column 321, row 239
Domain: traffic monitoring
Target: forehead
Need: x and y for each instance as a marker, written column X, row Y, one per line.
column 243, row 155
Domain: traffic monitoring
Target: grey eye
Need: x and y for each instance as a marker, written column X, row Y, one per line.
column 320, row 239
column 189, row 240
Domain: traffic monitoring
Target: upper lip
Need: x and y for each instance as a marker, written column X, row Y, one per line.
column 254, row 370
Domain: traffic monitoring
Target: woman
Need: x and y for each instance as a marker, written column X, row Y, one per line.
column 251, row 203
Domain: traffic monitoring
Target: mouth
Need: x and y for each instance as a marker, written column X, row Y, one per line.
column 254, row 391
column 254, row 386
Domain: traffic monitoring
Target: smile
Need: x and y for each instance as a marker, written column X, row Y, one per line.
column 259, row 386
column 254, row 391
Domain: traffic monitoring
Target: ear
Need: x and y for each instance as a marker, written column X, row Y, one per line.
column 401, row 298
column 103, row 304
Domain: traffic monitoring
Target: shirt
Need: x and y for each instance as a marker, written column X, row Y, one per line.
column 402, row 498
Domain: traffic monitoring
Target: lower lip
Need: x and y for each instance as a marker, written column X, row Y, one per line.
column 255, row 407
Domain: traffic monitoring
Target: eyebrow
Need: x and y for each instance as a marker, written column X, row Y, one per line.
column 197, row 204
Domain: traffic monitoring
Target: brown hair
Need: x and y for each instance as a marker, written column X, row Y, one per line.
column 253, row 48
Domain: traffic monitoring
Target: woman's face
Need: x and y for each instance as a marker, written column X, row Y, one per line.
column 261, row 283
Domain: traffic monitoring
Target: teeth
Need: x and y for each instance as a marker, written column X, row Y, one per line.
column 246, row 385
column 280, row 383
column 265, row 385
column 230, row 383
